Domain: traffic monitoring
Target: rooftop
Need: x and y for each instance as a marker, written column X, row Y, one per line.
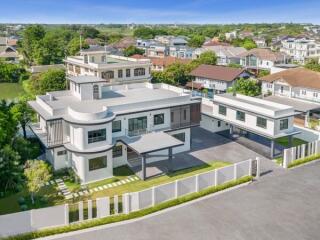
column 119, row 99
column 296, row 77
column 217, row 72
column 264, row 53
column 260, row 106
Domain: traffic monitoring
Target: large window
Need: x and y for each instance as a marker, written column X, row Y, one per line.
column 158, row 119
column 137, row 126
column 261, row 122
column 283, row 124
column 120, row 73
column 107, row 75
column 222, row 110
column 95, row 92
column 241, row 116
column 116, row 126
column 128, row 73
column 97, row 135
column 139, row 72
column 180, row 136
column 97, row 163
column 117, row 151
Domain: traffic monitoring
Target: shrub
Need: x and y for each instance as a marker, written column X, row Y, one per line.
column 303, row 160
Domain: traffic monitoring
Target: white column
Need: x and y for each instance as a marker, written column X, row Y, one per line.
column 197, row 183
column 176, row 189
column 216, row 177
column 80, row 205
column 153, row 196
column 258, row 167
column 116, row 204
column 235, row 171
column 66, row 214
column 89, row 209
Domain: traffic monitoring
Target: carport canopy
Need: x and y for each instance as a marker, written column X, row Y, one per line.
column 151, row 142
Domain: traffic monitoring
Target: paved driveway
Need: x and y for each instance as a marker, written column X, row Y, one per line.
column 207, row 147
column 284, row 207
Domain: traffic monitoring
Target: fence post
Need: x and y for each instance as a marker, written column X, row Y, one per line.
column 66, row 214
column 176, row 189
column 293, row 153
column 216, row 177
column 126, row 203
column 153, row 192
column 285, row 161
column 197, row 183
column 80, row 206
column 89, row 209
column 250, row 167
column 116, row 204
column 258, row 167
column 235, row 171
column 309, row 149
column 317, row 147
column 303, row 150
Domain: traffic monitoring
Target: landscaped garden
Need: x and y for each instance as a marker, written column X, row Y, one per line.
column 284, row 141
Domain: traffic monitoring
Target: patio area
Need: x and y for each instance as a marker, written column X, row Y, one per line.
column 205, row 148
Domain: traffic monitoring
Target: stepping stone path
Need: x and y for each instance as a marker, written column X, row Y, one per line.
column 66, row 193
column 63, row 188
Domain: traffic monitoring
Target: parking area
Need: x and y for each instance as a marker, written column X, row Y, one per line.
column 207, row 147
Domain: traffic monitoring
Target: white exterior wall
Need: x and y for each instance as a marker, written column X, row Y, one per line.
column 211, row 124
column 80, row 163
column 122, row 160
column 213, row 84
column 60, row 161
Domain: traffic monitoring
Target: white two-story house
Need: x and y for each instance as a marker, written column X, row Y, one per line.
column 97, row 126
column 111, row 68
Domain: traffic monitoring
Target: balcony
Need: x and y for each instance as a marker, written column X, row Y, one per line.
column 136, row 132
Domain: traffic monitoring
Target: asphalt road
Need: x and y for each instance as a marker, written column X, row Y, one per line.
column 282, row 206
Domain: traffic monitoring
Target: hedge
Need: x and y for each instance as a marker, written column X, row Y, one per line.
column 303, row 160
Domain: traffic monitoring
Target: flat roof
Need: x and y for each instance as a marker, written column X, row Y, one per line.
column 253, row 104
column 85, row 79
column 151, row 142
column 298, row 105
column 118, row 101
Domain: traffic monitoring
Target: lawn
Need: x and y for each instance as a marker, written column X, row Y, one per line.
column 47, row 196
column 284, row 141
column 140, row 185
column 10, row 91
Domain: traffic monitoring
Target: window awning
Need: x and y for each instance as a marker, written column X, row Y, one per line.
column 151, row 142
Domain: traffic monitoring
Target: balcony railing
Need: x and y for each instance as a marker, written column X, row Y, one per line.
column 136, row 132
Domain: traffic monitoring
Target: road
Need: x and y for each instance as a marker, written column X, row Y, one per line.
column 283, row 206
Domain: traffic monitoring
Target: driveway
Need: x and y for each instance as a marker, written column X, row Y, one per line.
column 283, row 207
column 207, row 147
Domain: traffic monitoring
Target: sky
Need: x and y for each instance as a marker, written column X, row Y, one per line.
column 163, row 11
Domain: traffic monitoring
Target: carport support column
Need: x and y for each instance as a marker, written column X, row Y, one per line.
column 306, row 119
column 290, row 141
column 143, row 156
column 231, row 130
column 272, row 149
column 170, row 160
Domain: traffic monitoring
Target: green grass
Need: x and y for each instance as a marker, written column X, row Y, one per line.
column 139, row 185
column 47, row 196
column 122, row 217
column 284, row 141
column 303, row 160
column 10, row 91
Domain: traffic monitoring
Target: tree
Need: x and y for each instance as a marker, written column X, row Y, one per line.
column 73, row 47
column 249, row 44
column 144, row 32
column 10, row 169
column 22, row 113
column 196, row 41
column 37, row 173
column 208, row 57
column 131, row 50
column 89, row 32
column 13, row 73
column 52, row 80
column 249, row 87
column 313, row 64
column 8, row 125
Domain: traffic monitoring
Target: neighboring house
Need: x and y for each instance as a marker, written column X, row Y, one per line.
column 217, row 78
column 282, row 67
column 171, row 40
column 182, row 52
column 260, row 42
column 262, row 59
column 300, row 49
column 124, row 43
column 297, row 87
column 215, row 43
column 160, row 64
column 157, row 50
column 43, row 68
column 112, row 68
column 95, row 126
column 249, row 114
column 246, row 34
column 230, row 35
column 8, row 53
column 225, row 54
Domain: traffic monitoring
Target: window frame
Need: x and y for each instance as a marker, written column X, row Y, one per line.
column 116, row 152
column 95, row 139
column 261, row 125
column 238, row 116
column 94, row 167
column 156, row 116
column 117, row 130
column 177, row 136
column 281, row 124
column 224, row 112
